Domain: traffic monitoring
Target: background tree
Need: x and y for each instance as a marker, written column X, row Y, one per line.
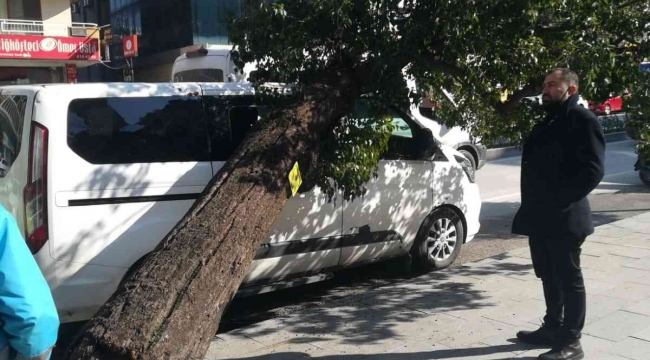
column 335, row 51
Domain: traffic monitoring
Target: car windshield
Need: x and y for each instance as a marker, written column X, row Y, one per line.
column 199, row 75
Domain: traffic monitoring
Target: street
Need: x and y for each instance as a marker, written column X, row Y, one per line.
column 620, row 195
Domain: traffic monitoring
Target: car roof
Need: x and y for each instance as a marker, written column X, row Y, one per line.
column 114, row 89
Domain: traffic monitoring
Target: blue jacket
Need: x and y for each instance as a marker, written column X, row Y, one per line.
column 29, row 322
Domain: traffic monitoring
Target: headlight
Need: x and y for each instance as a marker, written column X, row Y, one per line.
column 467, row 167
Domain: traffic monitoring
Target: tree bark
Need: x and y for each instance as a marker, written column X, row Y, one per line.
column 170, row 306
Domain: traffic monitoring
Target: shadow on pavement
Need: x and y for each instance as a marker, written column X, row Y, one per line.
column 468, row 353
column 380, row 316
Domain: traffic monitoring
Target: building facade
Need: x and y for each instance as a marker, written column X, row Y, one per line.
column 39, row 42
column 167, row 29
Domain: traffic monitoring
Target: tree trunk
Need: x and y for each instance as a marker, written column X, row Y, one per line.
column 170, row 307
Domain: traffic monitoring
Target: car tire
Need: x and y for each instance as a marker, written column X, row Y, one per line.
column 608, row 110
column 645, row 177
column 435, row 249
column 469, row 157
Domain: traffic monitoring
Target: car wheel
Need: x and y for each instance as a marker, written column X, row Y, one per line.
column 469, row 157
column 439, row 241
column 645, row 177
column 608, row 109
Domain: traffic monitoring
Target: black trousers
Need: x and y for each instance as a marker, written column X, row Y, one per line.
column 557, row 262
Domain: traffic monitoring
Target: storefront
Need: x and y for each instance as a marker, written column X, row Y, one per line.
column 32, row 59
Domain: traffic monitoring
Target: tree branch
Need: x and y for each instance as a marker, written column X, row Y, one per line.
column 553, row 29
column 531, row 89
column 443, row 67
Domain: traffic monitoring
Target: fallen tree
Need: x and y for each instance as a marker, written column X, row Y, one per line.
column 336, row 50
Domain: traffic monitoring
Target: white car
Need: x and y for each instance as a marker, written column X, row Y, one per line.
column 103, row 172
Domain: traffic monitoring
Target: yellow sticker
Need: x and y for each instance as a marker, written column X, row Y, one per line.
column 295, row 180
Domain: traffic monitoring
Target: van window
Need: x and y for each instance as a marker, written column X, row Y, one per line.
column 230, row 118
column 199, row 75
column 12, row 115
column 138, row 130
column 400, row 127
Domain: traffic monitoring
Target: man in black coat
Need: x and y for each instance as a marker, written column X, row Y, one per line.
column 562, row 163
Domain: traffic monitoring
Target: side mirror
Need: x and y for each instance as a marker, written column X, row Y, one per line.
column 427, row 144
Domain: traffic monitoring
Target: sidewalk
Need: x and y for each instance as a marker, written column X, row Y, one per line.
column 469, row 312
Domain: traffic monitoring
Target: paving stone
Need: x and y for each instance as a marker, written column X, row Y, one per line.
column 634, row 225
column 531, row 354
column 508, row 339
column 488, row 307
column 520, row 313
column 628, row 251
column 643, row 334
column 458, row 333
column 619, row 275
column 639, row 307
column 607, row 262
column 417, row 349
column 603, row 239
column 444, row 298
column 525, row 291
column 228, row 346
column 285, row 351
column 641, row 264
column 599, row 306
column 597, row 287
column 430, row 327
column 636, row 240
column 631, row 348
column 630, row 291
column 334, row 348
column 426, row 351
column 522, row 253
column 634, row 276
column 497, row 283
column 617, row 326
column 643, row 217
column 612, row 231
column 603, row 356
column 593, row 345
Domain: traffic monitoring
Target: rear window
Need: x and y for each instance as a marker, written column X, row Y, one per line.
column 138, row 130
column 12, row 115
column 199, row 75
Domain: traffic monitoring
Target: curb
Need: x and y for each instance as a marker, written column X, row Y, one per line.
column 512, row 151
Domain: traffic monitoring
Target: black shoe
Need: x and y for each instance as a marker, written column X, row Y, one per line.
column 566, row 351
column 544, row 336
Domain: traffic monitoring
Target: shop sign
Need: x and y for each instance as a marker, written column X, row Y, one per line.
column 130, row 46
column 48, row 48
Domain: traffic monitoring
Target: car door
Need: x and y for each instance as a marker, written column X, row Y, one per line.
column 387, row 218
column 306, row 235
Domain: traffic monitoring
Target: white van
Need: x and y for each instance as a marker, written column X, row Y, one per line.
column 209, row 64
column 98, row 174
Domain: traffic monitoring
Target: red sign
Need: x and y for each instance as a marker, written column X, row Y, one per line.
column 71, row 73
column 130, row 46
column 48, row 48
